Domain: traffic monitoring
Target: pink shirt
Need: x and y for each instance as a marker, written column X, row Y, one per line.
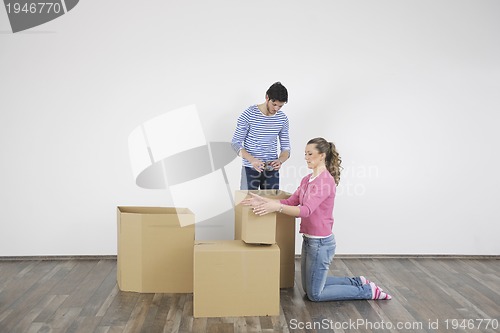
column 315, row 200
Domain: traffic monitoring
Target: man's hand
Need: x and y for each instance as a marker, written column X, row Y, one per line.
column 276, row 164
column 258, row 164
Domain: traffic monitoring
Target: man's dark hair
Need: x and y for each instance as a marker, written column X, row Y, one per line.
column 277, row 92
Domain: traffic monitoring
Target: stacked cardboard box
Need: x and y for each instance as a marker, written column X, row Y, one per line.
column 232, row 278
column 273, row 228
column 155, row 253
column 242, row 277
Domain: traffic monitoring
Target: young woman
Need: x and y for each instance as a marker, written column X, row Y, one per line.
column 313, row 202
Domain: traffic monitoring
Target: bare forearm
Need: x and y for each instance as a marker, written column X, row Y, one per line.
column 285, row 155
column 277, row 206
column 289, row 210
column 246, row 155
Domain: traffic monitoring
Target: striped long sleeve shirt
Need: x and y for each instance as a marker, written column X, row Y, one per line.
column 259, row 134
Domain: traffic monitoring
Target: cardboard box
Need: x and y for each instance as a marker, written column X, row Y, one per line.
column 234, row 279
column 253, row 229
column 279, row 228
column 155, row 254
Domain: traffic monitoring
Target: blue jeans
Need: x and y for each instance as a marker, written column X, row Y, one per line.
column 251, row 179
column 316, row 257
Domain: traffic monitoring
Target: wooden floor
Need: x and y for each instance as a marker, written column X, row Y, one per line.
column 430, row 295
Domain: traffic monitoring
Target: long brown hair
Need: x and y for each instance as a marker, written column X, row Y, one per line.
column 332, row 159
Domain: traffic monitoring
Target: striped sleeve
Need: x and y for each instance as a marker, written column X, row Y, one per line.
column 285, row 137
column 242, row 126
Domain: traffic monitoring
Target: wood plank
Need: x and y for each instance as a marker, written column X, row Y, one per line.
column 28, row 318
column 149, row 320
column 16, row 287
column 71, row 281
column 186, row 323
column 62, row 320
column 82, row 296
column 161, row 306
column 174, row 314
column 84, row 324
column 87, row 284
column 10, row 269
column 45, row 277
column 102, row 296
column 139, row 313
column 119, row 310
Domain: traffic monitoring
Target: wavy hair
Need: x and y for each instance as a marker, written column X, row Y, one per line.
column 332, row 160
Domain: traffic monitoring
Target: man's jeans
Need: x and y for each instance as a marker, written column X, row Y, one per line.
column 316, row 257
column 251, row 179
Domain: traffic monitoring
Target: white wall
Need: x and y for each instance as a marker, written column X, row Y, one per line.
column 408, row 90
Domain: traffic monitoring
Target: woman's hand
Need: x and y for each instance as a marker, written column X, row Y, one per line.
column 261, row 206
column 266, row 208
column 253, row 200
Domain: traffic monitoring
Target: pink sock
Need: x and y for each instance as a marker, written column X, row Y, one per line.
column 377, row 293
column 364, row 280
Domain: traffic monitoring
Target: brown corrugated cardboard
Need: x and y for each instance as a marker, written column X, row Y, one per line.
column 155, row 254
column 282, row 231
column 257, row 229
column 234, row 279
column 285, row 238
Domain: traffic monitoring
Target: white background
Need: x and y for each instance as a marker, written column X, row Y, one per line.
column 408, row 91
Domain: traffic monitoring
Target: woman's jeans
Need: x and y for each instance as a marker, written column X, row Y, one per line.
column 251, row 179
column 317, row 255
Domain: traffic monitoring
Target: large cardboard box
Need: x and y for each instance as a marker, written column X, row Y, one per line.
column 234, row 279
column 275, row 227
column 155, row 254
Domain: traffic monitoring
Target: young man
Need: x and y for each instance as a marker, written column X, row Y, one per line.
column 256, row 140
